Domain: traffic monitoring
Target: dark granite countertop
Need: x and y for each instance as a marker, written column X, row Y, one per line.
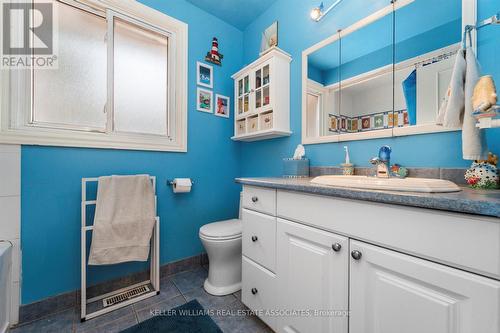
column 478, row 202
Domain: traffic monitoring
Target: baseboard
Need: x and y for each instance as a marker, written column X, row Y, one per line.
column 58, row 303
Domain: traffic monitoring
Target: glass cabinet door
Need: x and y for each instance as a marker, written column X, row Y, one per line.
column 262, row 81
column 243, row 100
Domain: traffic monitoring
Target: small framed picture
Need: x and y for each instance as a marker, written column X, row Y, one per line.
column 204, row 75
column 204, row 99
column 222, row 106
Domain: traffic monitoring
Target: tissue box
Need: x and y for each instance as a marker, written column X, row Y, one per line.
column 295, row 168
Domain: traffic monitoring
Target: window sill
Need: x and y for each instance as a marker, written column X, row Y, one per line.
column 91, row 140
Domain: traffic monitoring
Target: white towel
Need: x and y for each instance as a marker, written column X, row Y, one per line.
column 474, row 145
column 456, row 110
column 451, row 111
column 124, row 220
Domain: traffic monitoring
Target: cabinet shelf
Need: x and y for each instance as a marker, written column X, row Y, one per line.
column 267, row 102
column 261, row 135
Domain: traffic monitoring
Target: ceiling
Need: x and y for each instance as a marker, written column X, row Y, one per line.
column 239, row 13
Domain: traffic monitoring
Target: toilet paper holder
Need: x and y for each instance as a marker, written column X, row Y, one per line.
column 171, row 182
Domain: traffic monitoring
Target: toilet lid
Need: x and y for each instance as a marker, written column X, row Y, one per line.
column 222, row 229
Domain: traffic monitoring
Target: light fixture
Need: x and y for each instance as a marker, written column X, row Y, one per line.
column 318, row 13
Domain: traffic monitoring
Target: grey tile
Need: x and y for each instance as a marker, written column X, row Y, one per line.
column 167, row 291
column 37, row 310
column 423, row 173
column 315, row 171
column 204, row 259
column 363, row 171
column 180, row 266
column 156, row 309
column 114, row 326
column 237, row 319
column 238, row 295
column 210, row 302
column 60, row 322
column 189, row 280
column 105, row 319
column 454, row 175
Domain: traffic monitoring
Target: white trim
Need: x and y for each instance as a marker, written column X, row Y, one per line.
column 469, row 16
column 217, row 96
column 14, row 85
column 198, row 82
column 421, row 129
column 198, row 108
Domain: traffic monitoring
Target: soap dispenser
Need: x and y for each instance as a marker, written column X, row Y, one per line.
column 347, row 166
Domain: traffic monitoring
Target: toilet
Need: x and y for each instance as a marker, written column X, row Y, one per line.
column 222, row 241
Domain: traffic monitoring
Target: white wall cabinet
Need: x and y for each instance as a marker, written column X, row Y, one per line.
column 313, row 276
column 322, row 269
column 262, row 98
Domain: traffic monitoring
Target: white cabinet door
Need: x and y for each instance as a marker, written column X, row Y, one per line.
column 312, row 279
column 392, row 292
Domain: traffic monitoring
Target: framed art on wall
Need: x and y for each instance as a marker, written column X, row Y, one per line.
column 222, row 106
column 204, row 75
column 204, row 99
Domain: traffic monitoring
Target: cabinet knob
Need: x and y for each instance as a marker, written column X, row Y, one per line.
column 254, row 238
column 336, row 247
column 254, row 291
column 356, row 255
column 255, row 199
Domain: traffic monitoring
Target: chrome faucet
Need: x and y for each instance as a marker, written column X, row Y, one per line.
column 382, row 163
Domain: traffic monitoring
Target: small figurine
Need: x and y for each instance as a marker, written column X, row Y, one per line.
column 484, row 97
column 213, row 55
column 399, row 171
column 483, row 174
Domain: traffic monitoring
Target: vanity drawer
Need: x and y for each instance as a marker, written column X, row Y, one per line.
column 463, row 241
column 259, row 238
column 260, row 199
column 258, row 290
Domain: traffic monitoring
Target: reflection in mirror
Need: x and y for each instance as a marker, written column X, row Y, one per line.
column 388, row 76
column 428, row 35
column 322, row 95
column 366, row 73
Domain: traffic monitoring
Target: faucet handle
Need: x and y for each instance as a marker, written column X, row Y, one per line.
column 375, row 160
column 384, row 153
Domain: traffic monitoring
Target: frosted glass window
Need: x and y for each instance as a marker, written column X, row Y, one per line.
column 74, row 95
column 140, row 79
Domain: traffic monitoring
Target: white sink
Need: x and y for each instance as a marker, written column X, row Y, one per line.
column 390, row 184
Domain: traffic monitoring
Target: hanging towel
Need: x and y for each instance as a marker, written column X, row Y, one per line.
column 474, row 145
column 124, row 220
column 452, row 109
column 456, row 110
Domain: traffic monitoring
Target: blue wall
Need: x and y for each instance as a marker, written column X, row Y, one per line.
column 51, row 176
column 298, row 32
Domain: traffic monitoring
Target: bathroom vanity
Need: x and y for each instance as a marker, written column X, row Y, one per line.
column 327, row 259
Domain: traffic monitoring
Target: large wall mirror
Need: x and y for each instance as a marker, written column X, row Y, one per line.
column 386, row 75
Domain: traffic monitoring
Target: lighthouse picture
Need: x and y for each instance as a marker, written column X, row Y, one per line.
column 213, row 55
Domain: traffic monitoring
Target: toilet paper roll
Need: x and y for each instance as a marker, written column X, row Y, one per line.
column 182, row 185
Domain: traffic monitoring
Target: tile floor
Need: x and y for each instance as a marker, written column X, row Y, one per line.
column 175, row 289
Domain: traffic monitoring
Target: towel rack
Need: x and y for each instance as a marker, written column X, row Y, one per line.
column 154, row 277
column 493, row 20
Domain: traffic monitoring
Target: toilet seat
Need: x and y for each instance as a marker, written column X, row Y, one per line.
column 223, row 230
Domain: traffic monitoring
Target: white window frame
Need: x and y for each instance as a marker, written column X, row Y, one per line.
column 16, row 89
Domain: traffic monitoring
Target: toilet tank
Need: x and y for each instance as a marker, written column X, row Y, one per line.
column 5, row 285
